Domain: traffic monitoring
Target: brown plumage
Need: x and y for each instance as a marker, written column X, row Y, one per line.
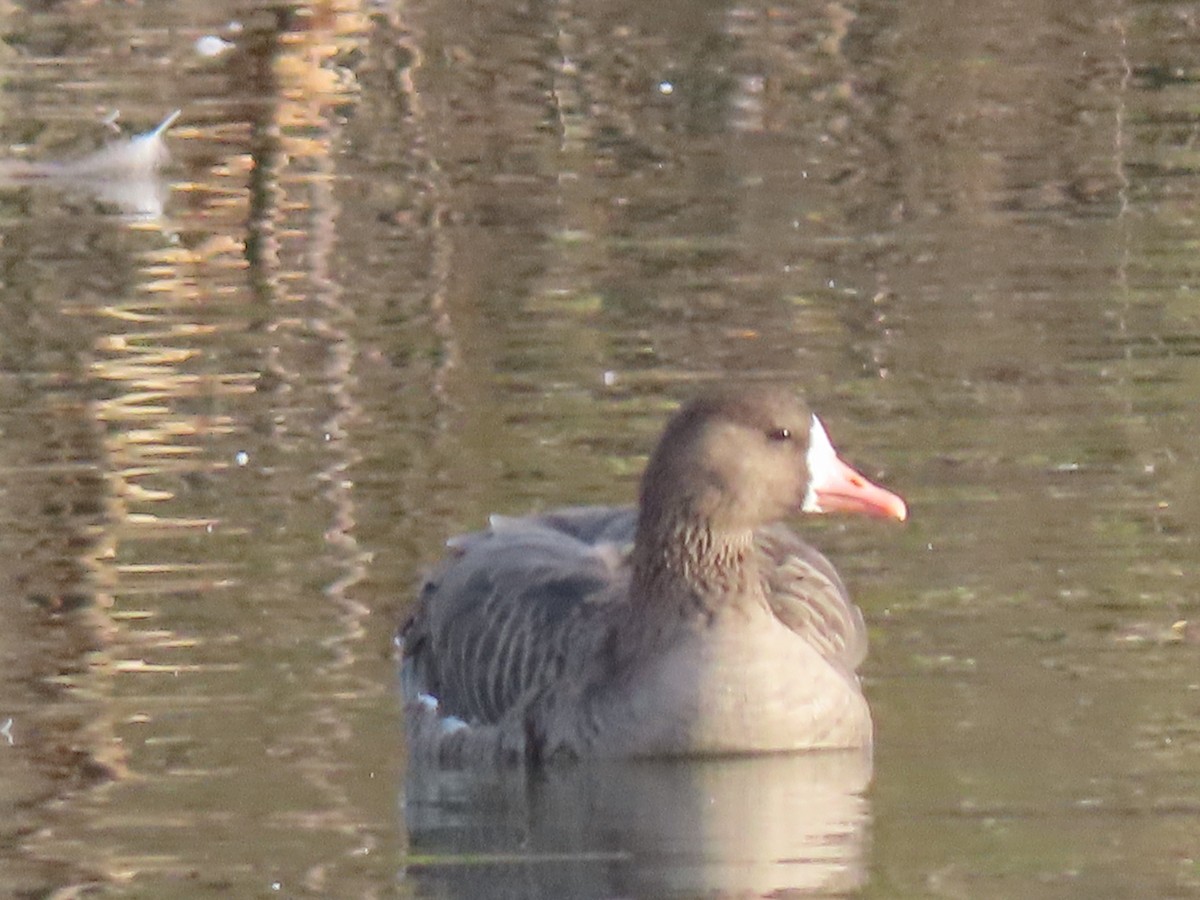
column 693, row 625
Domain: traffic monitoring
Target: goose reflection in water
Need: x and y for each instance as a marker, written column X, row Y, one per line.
column 748, row 826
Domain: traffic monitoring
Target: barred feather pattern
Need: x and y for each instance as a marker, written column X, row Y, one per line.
column 498, row 625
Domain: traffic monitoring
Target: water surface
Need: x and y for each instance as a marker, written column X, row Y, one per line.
column 413, row 264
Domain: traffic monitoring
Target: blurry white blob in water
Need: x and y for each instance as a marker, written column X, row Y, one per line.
column 211, row 45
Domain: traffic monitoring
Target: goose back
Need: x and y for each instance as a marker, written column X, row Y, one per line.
column 527, row 607
column 501, row 618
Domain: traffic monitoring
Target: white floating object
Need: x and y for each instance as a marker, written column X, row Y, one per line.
column 210, row 45
column 123, row 173
column 139, row 156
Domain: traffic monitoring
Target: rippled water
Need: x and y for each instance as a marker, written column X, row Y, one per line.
column 415, row 264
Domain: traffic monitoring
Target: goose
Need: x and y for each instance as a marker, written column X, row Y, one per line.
column 696, row 624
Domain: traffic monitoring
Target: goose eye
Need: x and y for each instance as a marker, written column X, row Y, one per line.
column 780, row 434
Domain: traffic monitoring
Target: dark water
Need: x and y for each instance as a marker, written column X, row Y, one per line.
column 413, row 264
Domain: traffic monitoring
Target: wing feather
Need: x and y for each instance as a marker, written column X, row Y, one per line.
column 497, row 621
column 806, row 594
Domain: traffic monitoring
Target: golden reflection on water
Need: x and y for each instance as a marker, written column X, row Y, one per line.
column 176, row 423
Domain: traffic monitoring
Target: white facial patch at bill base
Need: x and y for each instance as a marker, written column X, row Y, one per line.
column 822, row 461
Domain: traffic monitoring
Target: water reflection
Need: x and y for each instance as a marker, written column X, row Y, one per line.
column 752, row 827
column 412, row 238
column 181, row 383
